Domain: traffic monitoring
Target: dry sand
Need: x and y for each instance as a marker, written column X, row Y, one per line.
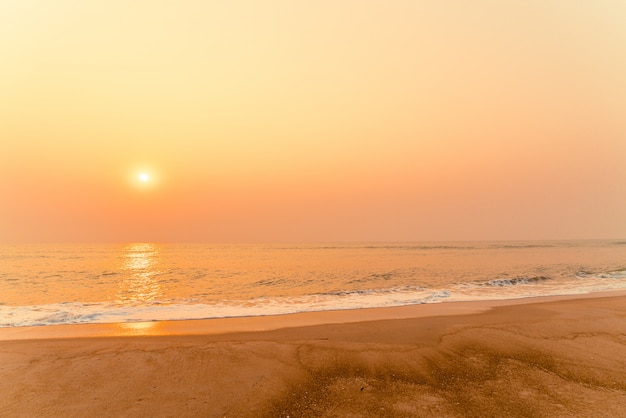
column 536, row 357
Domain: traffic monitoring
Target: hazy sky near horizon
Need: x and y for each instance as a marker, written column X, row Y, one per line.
column 317, row 120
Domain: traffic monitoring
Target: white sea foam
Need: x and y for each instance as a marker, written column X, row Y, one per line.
column 107, row 312
column 111, row 312
column 615, row 274
column 515, row 281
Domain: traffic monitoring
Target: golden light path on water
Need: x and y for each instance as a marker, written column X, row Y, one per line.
column 140, row 285
column 137, row 328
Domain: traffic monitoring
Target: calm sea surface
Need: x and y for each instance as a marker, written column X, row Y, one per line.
column 63, row 284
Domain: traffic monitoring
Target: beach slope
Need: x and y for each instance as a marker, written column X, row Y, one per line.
column 564, row 357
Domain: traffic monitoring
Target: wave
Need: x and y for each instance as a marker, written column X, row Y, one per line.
column 419, row 247
column 614, row 274
column 110, row 312
column 392, row 290
column 515, row 281
column 525, row 246
column 271, row 282
column 619, row 273
column 380, row 247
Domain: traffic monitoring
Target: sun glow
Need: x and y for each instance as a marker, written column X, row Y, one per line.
column 144, row 178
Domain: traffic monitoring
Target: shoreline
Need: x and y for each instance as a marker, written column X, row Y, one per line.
column 212, row 326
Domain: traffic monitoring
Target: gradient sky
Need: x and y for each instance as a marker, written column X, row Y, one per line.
column 358, row 120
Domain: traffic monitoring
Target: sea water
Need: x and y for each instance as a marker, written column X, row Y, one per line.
column 69, row 284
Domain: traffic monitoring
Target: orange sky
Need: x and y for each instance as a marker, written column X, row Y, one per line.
column 312, row 120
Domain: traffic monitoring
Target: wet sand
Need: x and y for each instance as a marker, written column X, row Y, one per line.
column 563, row 356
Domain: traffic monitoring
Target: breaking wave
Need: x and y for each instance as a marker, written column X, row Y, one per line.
column 515, row 281
column 610, row 274
column 108, row 312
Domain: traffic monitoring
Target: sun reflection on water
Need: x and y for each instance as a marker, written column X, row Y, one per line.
column 141, row 284
column 137, row 328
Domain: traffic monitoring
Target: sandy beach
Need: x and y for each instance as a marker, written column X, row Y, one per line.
column 558, row 356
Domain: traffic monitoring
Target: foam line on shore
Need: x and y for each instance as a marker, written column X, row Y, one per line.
column 273, row 322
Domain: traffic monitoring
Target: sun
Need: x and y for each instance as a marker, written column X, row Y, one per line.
column 144, row 178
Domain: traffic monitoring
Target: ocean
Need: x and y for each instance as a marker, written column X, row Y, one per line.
column 44, row 285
